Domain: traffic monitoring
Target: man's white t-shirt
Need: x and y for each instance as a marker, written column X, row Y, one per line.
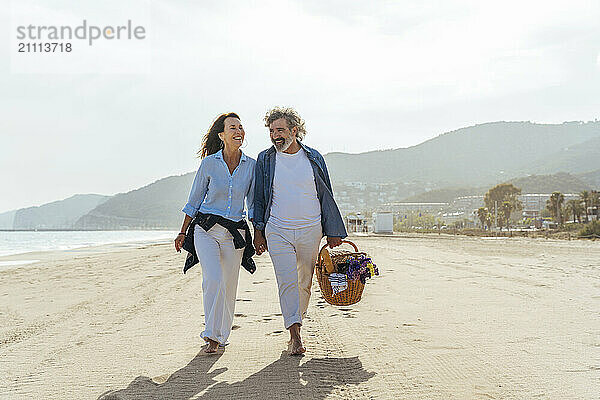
column 295, row 203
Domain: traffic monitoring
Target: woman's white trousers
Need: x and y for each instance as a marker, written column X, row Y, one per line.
column 220, row 262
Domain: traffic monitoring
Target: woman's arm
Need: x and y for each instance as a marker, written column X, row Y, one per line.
column 195, row 199
column 198, row 191
column 181, row 236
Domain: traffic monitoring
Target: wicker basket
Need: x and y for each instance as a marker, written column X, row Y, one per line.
column 326, row 263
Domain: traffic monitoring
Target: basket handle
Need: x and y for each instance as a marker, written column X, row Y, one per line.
column 343, row 241
column 320, row 256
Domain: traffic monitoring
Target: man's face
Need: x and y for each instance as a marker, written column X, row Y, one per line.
column 281, row 135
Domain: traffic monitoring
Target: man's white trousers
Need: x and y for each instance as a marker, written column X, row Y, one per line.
column 293, row 253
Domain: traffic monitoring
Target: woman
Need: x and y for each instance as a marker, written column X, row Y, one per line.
column 224, row 180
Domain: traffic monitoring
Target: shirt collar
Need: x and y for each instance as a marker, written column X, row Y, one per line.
column 219, row 154
column 304, row 147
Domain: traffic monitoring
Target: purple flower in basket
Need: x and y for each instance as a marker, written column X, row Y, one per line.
column 361, row 268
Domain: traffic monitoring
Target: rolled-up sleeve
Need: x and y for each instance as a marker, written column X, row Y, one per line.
column 199, row 188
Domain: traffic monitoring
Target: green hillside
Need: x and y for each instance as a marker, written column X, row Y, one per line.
column 60, row 214
column 561, row 182
column 592, row 178
column 473, row 156
column 157, row 205
column 464, row 162
column 443, row 195
column 577, row 158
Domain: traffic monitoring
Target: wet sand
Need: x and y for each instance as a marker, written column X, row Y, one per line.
column 449, row 318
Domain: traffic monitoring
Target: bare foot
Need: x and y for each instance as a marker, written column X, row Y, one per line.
column 211, row 346
column 296, row 347
column 295, row 344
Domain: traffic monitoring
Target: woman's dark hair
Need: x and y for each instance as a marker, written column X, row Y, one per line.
column 212, row 142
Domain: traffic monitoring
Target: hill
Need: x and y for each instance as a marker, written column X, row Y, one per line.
column 463, row 162
column 576, row 158
column 7, row 219
column 592, row 178
column 157, row 205
column 443, row 195
column 60, row 214
column 562, row 182
column 474, row 156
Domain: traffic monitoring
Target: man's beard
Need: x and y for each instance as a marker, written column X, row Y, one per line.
column 283, row 145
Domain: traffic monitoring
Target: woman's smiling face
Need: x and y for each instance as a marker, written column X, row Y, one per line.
column 233, row 134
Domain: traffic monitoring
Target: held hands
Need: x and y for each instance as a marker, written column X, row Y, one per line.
column 260, row 243
column 179, row 242
column 333, row 241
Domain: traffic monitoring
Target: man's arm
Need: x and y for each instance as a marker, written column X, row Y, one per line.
column 332, row 241
column 260, row 243
column 326, row 172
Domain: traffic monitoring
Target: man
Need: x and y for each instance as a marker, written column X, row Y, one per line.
column 293, row 209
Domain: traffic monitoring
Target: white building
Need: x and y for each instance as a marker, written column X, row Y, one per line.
column 383, row 222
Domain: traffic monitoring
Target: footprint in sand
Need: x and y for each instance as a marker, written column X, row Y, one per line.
column 234, row 327
column 240, row 315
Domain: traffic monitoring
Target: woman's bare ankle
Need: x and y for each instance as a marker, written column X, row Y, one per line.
column 211, row 346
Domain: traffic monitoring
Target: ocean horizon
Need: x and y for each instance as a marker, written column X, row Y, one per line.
column 20, row 242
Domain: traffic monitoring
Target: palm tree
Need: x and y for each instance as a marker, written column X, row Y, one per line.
column 595, row 201
column 575, row 207
column 585, row 199
column 483, row 215
column 507, row 208
column 554, row 205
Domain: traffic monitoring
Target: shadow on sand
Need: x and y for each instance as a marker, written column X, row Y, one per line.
column 284, row 378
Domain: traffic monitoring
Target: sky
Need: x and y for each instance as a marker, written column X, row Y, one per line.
column 364, row 75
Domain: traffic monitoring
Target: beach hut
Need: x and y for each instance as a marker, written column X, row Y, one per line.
column 355, row 223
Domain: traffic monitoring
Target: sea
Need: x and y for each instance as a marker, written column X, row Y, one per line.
column 18, row 242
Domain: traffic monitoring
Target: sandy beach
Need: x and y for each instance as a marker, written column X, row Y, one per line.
column 449, row 318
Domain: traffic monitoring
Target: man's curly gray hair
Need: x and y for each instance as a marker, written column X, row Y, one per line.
column 291, row 116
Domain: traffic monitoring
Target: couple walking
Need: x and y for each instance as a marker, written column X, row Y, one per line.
column 289, row 200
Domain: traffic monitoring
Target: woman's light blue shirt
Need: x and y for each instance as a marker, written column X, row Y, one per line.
column 216, row 191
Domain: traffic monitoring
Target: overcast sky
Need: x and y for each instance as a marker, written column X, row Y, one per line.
column 364, row 74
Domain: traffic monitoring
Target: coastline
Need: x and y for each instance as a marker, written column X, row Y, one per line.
column 17, row 260
column 449, row 317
